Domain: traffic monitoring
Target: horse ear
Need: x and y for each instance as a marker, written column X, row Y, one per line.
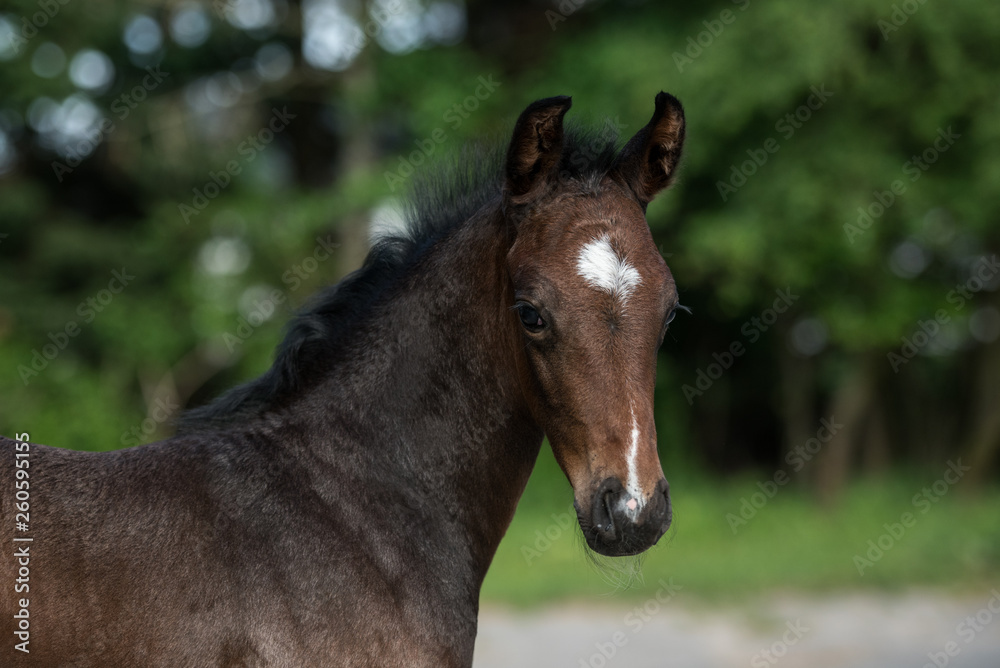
column 648, row 163
column 535, row 148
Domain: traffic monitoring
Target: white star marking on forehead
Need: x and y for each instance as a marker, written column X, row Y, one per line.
column 600, row 266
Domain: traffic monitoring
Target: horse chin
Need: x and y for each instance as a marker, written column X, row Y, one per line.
column 618, row 550
column 621, row 548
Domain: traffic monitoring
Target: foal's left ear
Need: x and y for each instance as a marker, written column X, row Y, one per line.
column 535, row 148
column 648, row 163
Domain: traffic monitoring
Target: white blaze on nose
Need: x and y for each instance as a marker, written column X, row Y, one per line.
column 604, row 269
column 632, row 484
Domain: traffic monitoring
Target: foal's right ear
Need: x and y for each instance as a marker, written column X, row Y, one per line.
column 535, row 149
column 648, row 163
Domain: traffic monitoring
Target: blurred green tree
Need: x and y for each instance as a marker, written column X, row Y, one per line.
column 834, row 229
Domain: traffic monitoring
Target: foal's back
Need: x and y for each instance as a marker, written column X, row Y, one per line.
column 209, row 551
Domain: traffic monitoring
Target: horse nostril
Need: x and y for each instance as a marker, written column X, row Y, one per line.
column 607, row 509
column 603, row 521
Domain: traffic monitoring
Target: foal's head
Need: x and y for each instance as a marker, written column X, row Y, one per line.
column 593, row 298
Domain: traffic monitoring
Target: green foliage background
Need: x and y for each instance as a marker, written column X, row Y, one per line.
column 897, row 74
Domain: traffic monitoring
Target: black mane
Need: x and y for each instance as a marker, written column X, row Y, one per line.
column 441, row 198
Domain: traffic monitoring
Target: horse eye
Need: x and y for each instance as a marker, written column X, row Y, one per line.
column 666, row 323
column 529, row 317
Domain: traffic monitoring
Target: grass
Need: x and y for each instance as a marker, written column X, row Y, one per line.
column 791, row 543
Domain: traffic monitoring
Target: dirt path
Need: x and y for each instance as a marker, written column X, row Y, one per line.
column 910, row 630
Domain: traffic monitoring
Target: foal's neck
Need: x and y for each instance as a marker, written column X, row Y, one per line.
column 436, row 391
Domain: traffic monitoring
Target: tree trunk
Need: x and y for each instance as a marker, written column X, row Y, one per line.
column 876, row 455
column 798, row 382
column 850, row 407
column 984, row 436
